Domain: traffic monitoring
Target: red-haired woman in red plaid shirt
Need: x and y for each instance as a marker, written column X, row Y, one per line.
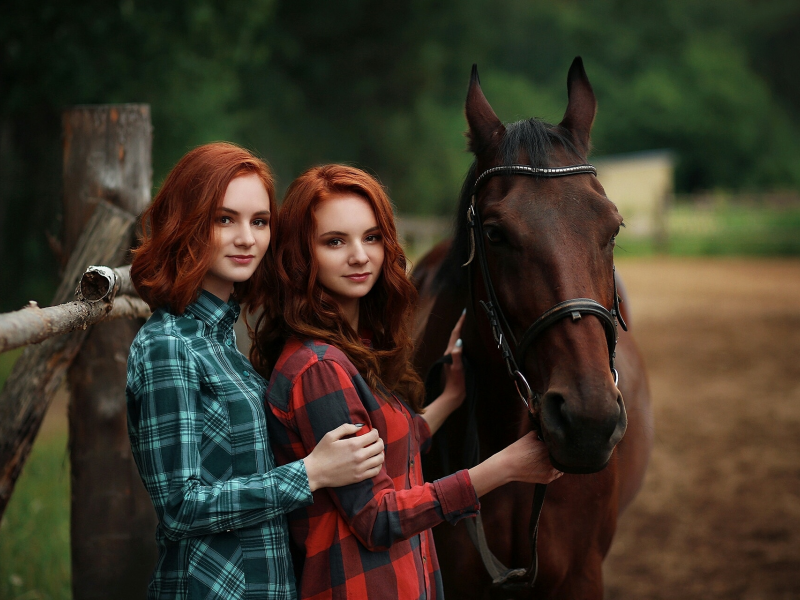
column 348, row 306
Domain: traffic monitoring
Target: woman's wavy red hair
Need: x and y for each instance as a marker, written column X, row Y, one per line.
column 177, row 237
column 310, row 312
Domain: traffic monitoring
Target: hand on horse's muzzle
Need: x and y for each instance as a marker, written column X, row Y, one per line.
column 531, row 460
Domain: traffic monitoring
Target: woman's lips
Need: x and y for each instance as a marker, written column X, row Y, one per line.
column 242, row 259
column 358, row 277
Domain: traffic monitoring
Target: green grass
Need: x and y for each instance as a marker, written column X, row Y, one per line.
column 722, row 230
column 34, row 532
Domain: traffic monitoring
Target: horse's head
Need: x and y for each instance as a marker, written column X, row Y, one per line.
column 548, row 239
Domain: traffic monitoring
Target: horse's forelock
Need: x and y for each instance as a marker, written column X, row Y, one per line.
column 532, row 137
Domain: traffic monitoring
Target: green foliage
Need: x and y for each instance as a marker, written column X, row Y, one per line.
column 381, row 84
column 736, row 230
column 722, row 230
column 34, row 532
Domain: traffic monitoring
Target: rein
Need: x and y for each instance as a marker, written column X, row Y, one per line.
column 516, row 580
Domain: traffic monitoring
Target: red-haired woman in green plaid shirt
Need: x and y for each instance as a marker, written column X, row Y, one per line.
column 195, row 404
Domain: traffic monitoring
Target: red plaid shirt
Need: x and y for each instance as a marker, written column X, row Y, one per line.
column 371, row 539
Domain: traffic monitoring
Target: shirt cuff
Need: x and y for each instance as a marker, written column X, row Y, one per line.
column 457, row 496
column 293, row 489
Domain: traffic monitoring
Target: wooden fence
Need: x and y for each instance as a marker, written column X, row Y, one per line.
column 107, row 175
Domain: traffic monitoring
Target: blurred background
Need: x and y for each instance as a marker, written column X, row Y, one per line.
column 382, row 84
column 696, row 138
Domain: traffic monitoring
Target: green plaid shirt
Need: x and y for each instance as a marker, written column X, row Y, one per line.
column 199, row 436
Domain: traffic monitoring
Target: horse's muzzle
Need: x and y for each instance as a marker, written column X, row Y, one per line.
column 581, row 433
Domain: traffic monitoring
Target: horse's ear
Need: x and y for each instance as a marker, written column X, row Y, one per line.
column 485, row 129
column 582, row 105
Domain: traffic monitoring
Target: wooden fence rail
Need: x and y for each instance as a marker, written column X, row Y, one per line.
column 103, row 294
column 41, row 368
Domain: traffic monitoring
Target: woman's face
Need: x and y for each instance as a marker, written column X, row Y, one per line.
column 241, row 235
column 348, row 246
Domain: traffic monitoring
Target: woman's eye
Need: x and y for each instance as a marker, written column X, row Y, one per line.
column 334, row 242
column 261, row 223
column 225, row 220
column 373, row 238
column 495, row 235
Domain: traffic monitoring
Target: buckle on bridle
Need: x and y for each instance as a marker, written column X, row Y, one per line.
column 528, row 397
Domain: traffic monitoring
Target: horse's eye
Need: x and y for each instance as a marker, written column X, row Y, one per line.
column 495, row 235
column 612, row 242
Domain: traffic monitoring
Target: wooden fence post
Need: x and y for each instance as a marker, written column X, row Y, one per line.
column 40, row 370
column 107, row 154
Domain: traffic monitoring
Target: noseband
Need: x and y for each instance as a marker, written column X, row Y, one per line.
column 574, row 308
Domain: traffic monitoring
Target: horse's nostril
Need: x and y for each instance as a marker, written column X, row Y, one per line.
column 555, row 413
column 564, row 410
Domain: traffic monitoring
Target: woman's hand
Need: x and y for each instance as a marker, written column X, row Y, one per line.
column 337, row 461
column 529, row 461
column 524, row 460
column 454, row 388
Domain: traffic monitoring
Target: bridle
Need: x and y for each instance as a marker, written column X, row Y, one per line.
column 517, row 580
column 573, row 308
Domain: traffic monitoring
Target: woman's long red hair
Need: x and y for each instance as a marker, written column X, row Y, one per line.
column 310, row 312
column 177, row 239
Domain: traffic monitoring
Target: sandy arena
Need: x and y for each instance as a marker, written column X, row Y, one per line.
column 719, row 513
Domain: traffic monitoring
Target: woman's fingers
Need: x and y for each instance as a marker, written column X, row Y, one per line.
column 456, row 333
column 371, row 473
column 456, row 354
column 368, row 438
column 373, row 462
column 345, row 430
column 372, row 449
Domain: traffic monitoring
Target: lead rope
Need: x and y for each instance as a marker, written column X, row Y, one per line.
column 503, row 577
column 510, row 580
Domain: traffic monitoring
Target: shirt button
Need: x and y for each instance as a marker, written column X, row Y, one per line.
column 246, row 373
column 228, row 342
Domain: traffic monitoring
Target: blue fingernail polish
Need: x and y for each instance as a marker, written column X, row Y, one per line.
column 459, row 343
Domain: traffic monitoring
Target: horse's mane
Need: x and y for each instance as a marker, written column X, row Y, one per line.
column 533, row 138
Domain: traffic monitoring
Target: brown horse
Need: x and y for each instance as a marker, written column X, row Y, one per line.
column 546, row 235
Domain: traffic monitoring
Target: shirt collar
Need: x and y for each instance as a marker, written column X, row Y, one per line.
column 365, row 335
column 213, row 311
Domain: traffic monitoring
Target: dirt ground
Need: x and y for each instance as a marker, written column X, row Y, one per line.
column 719, row 513
column 718, row 516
